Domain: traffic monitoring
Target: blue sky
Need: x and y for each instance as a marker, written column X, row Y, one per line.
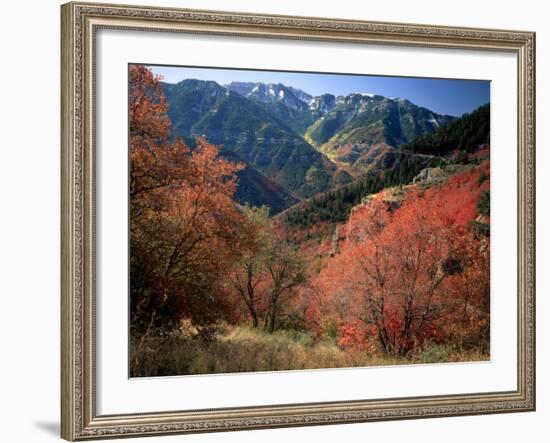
column 453, row 97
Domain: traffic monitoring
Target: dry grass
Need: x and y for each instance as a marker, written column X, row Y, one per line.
column 241, row 349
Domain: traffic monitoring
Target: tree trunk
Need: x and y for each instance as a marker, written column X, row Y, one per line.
column 250, row 291
column 254, row 319
column 271, row 317
column 272, row 322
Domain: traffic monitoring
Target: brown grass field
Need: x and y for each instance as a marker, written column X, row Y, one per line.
column 242, row 349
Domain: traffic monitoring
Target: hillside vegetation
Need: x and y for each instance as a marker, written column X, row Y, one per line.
column 294, row 144
column 390, row 268
column 465, row 134
column 244, row 349
column 335, row 206
column 372, row 119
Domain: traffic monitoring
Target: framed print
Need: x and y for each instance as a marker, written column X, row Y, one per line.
column 282, row 221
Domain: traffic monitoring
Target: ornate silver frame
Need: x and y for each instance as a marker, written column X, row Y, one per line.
column 80, row 21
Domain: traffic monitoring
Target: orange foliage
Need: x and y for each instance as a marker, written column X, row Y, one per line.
column 185, row 230
column 407, row 272
column 414, row 273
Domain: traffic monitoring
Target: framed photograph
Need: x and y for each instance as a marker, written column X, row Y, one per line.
column 283, row 221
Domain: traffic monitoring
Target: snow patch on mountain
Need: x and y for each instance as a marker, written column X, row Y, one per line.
column 434, row 121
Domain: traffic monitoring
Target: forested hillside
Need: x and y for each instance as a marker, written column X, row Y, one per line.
column 372, row 119
column 398, row 167
column 248, row 131
column 295, row 144
column 465, row 134
column 334, row 206
column 250, row 250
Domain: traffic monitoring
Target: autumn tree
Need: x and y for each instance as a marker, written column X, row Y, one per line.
column 410, row 270
column 185, row 230
column 286, row 271
column 249, row 272
column 269, row 273
column 469, row 285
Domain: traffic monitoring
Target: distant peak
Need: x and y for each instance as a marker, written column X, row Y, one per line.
column 400, row 100
column 197, row 81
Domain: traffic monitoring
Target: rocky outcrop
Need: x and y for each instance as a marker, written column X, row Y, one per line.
column 429, row 175
column 337, row 238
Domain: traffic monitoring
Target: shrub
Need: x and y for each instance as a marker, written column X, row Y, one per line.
column 484, row 203
column 434, row 354
column 242, row 349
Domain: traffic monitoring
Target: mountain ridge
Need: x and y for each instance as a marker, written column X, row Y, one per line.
column 296, row 144
column 258, row 137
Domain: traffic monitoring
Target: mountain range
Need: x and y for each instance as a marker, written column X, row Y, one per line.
column 296, row 145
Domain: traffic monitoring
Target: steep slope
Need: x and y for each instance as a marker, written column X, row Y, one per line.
column 271, row 93
column 257, row 190
column 361, row 122
column 352, row 130
column 290, row 105
column 189, row 101
column 294, row 107
column 322, row 105
column 391, row 167
column 379, row 157
column 259, row 138
column 286, row 136
column 371, row 118
column 466, row 133
column 462, row 146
